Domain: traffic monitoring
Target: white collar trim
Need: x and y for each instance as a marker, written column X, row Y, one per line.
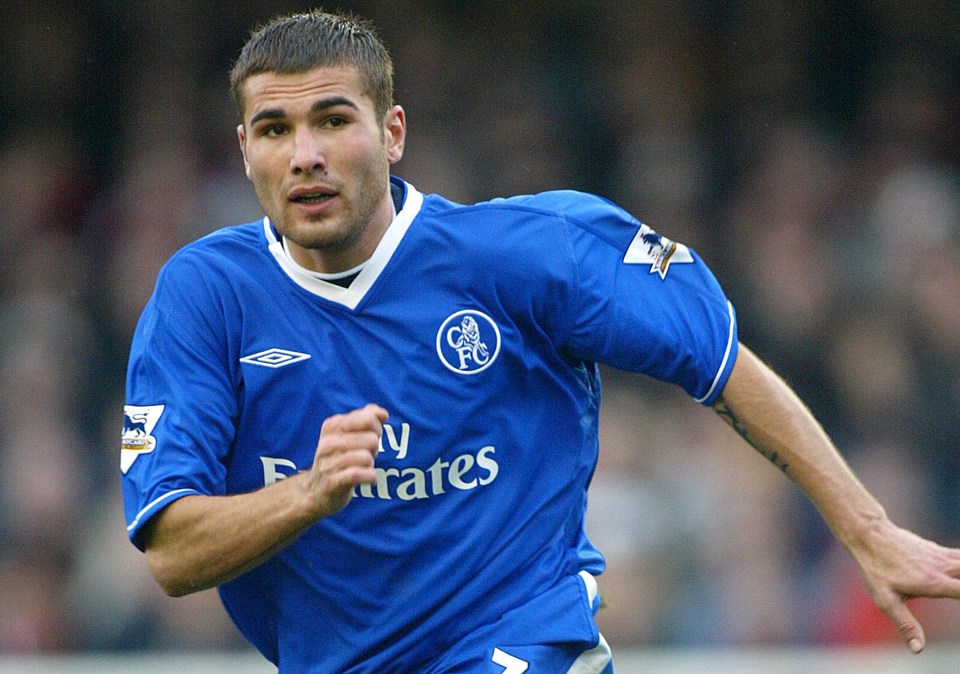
column 351, row 296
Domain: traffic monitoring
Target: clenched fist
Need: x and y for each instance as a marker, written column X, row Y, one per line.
column 345, row 457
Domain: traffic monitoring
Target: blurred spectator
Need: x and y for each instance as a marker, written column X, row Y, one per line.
column 44, row 474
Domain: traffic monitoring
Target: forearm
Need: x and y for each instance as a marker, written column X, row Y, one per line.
column 769, row 415
column 198, row 542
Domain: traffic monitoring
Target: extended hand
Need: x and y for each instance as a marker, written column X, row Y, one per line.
column 898, row 565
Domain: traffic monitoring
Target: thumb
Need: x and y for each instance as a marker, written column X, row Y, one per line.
column 381, row 414
column 910, row 629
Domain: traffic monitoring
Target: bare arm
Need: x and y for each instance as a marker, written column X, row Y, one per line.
column 198, row 542
column 895, row 563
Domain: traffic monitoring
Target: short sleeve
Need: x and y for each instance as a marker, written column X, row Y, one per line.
column 180, row 401
column 647, row 304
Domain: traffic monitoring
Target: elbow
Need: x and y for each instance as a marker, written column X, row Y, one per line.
column 167, row 563
column 167, row 559
column 174, row 589
column 172, row 580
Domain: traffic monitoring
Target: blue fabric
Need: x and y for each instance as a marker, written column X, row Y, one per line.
column 479, row 329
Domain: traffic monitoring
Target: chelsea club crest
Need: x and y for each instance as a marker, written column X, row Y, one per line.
column 468, row 342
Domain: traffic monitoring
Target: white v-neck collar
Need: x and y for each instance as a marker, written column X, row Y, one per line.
column 350, row 297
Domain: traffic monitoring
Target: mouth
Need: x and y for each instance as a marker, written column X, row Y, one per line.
column 308, row 196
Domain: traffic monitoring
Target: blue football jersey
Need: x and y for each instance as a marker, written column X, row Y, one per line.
column 479, row 328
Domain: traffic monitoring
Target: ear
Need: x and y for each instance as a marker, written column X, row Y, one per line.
column 395, row 133
column 242, row 136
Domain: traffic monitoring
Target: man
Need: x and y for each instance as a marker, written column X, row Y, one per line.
column 445, row 356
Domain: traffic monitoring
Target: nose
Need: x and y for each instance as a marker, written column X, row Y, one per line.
column 308, row 155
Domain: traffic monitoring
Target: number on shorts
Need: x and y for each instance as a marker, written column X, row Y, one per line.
column 510, row 663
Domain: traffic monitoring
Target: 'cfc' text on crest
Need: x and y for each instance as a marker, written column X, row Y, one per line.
column 468, row 342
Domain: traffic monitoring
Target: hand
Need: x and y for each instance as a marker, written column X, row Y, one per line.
column 345, row 457
column 898, row 565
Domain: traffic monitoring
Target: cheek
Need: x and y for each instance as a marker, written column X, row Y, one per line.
column 263, row 171
column 267, row 190
column 256, row 177
column 361, row 153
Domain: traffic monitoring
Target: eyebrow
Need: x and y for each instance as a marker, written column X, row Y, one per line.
column 319, row 106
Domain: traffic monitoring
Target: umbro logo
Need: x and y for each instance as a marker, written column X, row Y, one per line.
column 275, row 358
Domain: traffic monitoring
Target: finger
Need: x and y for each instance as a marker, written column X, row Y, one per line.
column 336, row 441
column 907, row 624
column 336, row 475
column 337, row 458
column 949, row 588
column 350, row 476
column 370, row 417
column 382, row 415
column 952, row 566
column 944, row 579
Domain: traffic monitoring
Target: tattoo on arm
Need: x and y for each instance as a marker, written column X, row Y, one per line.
column 725, row 413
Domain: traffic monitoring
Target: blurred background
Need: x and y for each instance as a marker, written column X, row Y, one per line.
column 809, row 151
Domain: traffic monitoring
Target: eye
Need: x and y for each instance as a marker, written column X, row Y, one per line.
column 336, row 122
column 273, row 130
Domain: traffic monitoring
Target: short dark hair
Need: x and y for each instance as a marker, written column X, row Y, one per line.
column 300, row 42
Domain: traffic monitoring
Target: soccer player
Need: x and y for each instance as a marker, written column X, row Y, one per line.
column 370, row 419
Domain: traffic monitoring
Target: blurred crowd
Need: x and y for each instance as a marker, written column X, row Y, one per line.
column 809, row 151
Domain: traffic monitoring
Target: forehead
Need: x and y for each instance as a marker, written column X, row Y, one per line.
column 292, row 91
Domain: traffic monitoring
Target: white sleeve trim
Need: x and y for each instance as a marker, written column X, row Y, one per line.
column 726, row 356
column 155, row 505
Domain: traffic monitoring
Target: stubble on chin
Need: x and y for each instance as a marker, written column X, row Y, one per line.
column 318, row 236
